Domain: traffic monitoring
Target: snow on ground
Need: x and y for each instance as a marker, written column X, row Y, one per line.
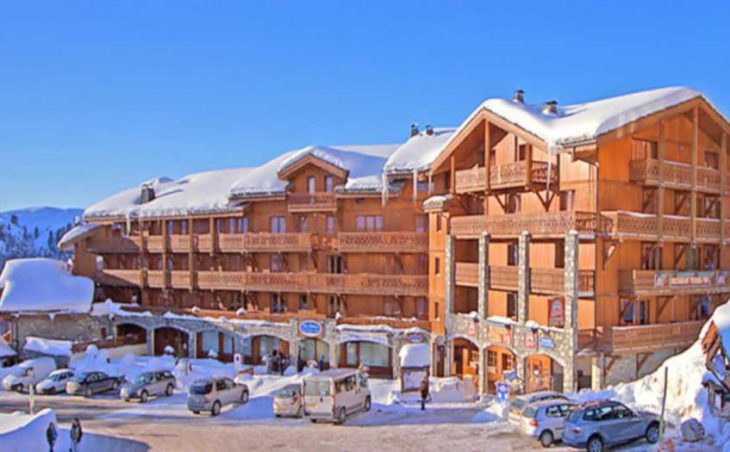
column 60, row 292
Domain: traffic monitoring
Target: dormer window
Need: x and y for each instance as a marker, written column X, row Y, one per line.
column 329, row 183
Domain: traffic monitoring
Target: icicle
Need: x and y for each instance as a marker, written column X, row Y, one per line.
column 384, row 189
column 430, row 183
column 415, row 184
column 129, row 224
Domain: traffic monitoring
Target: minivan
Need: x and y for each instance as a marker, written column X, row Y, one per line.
column 335, row 394
column 28, row 373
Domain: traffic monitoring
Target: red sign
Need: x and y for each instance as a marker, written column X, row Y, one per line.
column 472, row 329
column 557, row 312
column 531, row 339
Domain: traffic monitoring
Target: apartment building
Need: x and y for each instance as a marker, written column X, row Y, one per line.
column 579, row 245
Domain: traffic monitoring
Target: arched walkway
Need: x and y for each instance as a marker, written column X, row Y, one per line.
column 255, row 348
column 500, row 360
column 174, row 337
column 465, row 360
column 131, row 333
column 375, row 356
column 217, row 341
column 543, row 373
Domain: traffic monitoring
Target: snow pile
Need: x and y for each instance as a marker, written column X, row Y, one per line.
column 52, row 347
column 77, row 232
column 6, row 350
column 42, row 284
column 419, row 151
column 415, row 355
column 22, row 432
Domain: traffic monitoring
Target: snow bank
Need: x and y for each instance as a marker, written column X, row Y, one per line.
column 42, row 284
column 53, row 347
column 442, row 390
column 22, row 432
column 6, row 350
column 415, row 355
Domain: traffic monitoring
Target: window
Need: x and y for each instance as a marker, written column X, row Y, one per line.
column 560, row 254
column 711, row 159
column 645, row 149
column 513, row 253
column 238, row 225
column 303, row 302
column 331, row 223
column 278, row 225
column 491, row 358
column 514, row 203
column 391, row 307
column 329, row 183
column 277, row 304
column 651, row 256
column 369, row 223
column 438, row 223
column 184, row 227
column 702, row 308
column 567, row 200
column 422, row 186
column 421, row 223
column 710, row 257
column 422, row 263
column 421, row 308
column 303, row 223
column 508, row 362
column 311, row 184
column 437, row 266
column 512, row 305
column 437, row 310
column 335, row 264
column 635, row 312
column 277, row 263
column 521, row 154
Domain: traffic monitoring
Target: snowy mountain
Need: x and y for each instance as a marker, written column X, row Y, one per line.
column 34, row 232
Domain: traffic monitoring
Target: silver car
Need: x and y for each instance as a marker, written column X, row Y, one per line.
column 545, row 420
column 213, row 394
column 148, row 384
column 598, row 425
column 520, row 402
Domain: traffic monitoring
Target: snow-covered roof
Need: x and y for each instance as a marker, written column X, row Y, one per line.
column 204, row 192
column 580, row 123
column 721, row 319
column 77, row 232
column 419, row 151
column 43, row 285
column 415, row 355
column 6, row 350
column 54, row 347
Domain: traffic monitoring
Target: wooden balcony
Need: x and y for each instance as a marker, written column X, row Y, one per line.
column 644, row 226
column 118, row 277
column 467, row 274
column 259, row 242
column 503, row 278
column 181, row 243
column 392, row 322
column 101, row 245
column 312, row 202
column 213, row 280
column 282, row 282
column 549, row 224
column 514, row 175
column 648, row 338
column 204, row 243
column 654, row 282
column 382, row 242
column 154, row 243
column 180, row 279
column 675, row 175
column 156, row 278
column 551, row 281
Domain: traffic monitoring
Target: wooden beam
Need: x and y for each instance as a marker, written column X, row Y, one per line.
column 695, row 158
column 723, row 184
column 661, row 151
column 487, row 154
column 452, row 174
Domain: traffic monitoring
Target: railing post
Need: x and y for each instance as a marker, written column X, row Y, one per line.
column 523, row 276
column 483, row 288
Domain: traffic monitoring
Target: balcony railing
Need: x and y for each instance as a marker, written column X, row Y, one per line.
column 503, row 278
column 114, row 245
column 541, row 224
column 471, row 180
column 265, row 242
column 551, row 281
column 180, row 279
column 154, row 243
column 156, row 278
column 657, row 282
column 212, row 280
column 634, row 225
column 312, row 202
column 382, row 242
column 509, row 175
column 180, row 243
column 467, row 274
column 675, row 175
column 647, row 338
column 118, row 277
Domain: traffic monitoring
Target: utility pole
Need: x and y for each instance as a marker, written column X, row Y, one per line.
column 664, row 401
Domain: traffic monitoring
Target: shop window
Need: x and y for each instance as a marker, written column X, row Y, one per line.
column 278, row 224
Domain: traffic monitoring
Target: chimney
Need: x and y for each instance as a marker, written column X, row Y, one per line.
column 429, row 130
column 550, row 107
column 148, row 194
column 414, row 130
column 519, row 97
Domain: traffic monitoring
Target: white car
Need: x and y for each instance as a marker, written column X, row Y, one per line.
column 521, row 402
column 55, row 382
column 28, row 373
column 545, row 421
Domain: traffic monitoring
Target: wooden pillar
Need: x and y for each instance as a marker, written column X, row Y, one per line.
column 452, row 174
column 723, row 183
column 528, row 164
column 661, row 151
column 695, row 157
column 213, row 236
column 191, row 255
column 487, row 154
column 165, row 240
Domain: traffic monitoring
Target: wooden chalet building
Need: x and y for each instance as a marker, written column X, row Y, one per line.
column 551, row 246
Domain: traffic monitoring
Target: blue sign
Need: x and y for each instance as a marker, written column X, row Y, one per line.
column 310, row 328
column 511, row 375
column 547, row 342
column 502, row 392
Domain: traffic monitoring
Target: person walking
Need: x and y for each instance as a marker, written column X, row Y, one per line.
column 76, row 434
column 424, row 392
column 51, row 435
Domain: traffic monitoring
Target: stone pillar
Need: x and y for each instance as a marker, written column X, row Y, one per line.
column 523, row 277
column 395, row 356
column 597, row 377
column 521, row 368
column 482, row 370
column 333, row 353
column 483, row 289
column 448, row 356
column 193, row 344
column 570, row 289
column 150, row 341
column 449, row 274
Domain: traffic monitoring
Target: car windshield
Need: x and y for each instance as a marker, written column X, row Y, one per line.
column 56, row 377
column 518, row 404
column 317, row 388
column 201, row 388
column 287, row 392
column 143, row 378
column 530, row 412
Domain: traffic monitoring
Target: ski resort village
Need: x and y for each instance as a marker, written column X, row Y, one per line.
column 539, row 275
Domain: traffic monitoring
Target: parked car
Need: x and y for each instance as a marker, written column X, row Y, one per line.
column 28, row 373
column 598, row 425
column 520, row 402
column 545, row 420
column 213, row 394
column 55, row 382
column 335, row 394
column 288, row 401
column 148, row 384
column 90, row 383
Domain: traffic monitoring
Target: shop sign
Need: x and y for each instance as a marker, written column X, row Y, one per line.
column 310, row 328
column 557, row 312
column 502, row 392
column 237, row 358
column 500, row 335
column 547, row 343
column 416, row 338
column 683, row 279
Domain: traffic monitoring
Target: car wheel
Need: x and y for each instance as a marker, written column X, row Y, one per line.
column 546, row 438
column 216, row 410
column 88, row 392
column 196, row 412
column 652, row 433
column 314, row 421
column 595, row 444
column 244, row 397
column 341, row 416
column 18, row 388
column 168, row 390
column 52, row 391
column 368, row 404
column 144, row 397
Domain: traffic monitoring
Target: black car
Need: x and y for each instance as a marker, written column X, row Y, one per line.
column 90, row 383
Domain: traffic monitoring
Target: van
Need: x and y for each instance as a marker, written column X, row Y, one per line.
column 335, row 394
column 28, row 373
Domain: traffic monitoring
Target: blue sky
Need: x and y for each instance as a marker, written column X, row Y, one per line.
column 98, row 96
